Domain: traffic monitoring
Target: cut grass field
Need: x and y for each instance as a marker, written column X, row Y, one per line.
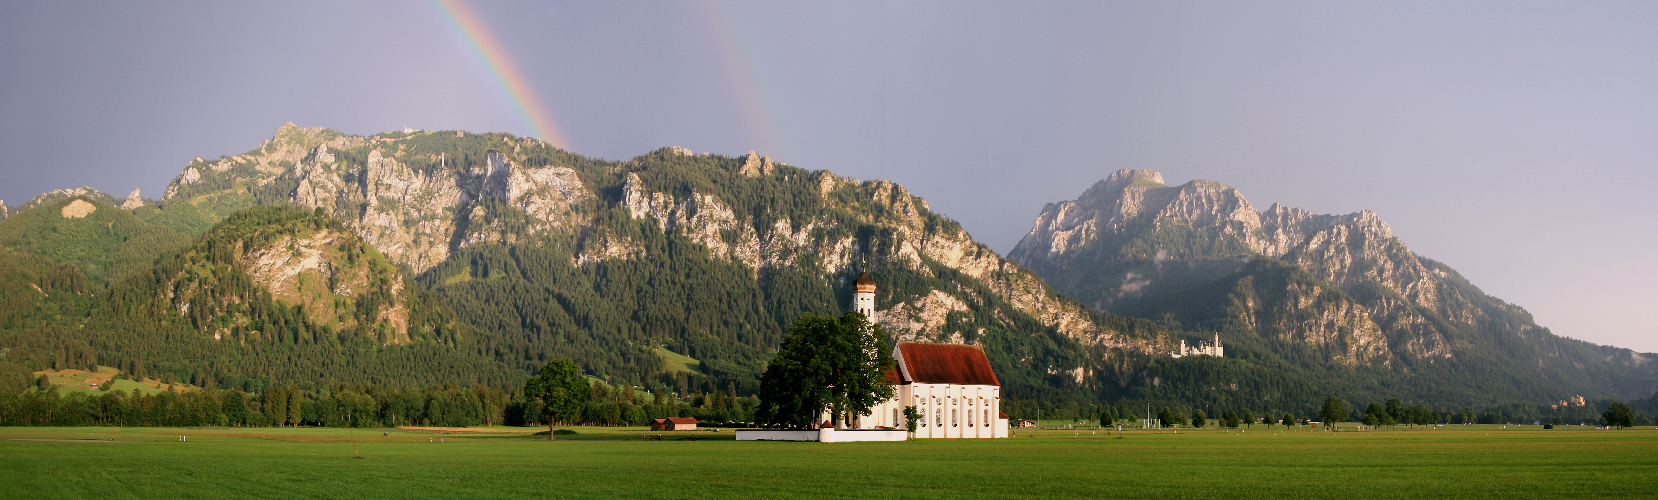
column 1452, row 462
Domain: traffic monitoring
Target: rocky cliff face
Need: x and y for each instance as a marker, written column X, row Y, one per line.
column 915, row 238
column 410, row 195
column 419, row 197
column 1346, row 287
column 328, row 275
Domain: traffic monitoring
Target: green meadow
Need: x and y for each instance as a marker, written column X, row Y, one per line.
column 1449, row 462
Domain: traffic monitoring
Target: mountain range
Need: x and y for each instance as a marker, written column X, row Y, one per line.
column 1333, row 294
column 452, row 257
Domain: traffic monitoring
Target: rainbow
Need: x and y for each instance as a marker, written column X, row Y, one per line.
column 499, row 69
column 756, row 106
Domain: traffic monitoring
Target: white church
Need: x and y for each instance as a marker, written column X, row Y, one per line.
column 951, row 386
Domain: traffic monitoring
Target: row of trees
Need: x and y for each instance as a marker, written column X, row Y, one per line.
column 338, row 406
column 1336, row 410
column 345, row 405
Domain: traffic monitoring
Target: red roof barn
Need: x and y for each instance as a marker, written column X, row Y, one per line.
column 674, row 424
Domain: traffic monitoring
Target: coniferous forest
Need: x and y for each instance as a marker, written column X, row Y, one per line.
column 669, row 279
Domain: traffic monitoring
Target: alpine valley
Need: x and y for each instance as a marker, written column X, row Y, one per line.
column 423, row 258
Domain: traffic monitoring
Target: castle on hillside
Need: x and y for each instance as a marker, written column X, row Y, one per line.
column 1201, row 349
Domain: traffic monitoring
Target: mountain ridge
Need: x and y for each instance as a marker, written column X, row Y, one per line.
column 1343, row 285
column 539, row 253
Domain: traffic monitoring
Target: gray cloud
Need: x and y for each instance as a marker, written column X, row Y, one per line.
column 1513, row 141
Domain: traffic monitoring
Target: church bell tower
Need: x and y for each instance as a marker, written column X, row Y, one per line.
column 863, row 297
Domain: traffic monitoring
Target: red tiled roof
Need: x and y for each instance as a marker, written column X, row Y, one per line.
column 681, row 420
column 947, row 364
column 892, row 376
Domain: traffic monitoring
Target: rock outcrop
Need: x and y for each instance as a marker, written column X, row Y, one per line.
column 418, row 197
column 321, row 269
column 919, row 240
column 413, row 196
column 1342, row 285
column 59, row 194
column 77, row 209
column 133, row 201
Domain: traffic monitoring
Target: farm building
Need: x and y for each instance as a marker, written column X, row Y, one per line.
column 674, row 424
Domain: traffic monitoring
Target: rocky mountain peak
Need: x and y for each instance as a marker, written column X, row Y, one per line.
column 133, row 201
column 1114, row 184
column 754, row 165
column 1127, row 176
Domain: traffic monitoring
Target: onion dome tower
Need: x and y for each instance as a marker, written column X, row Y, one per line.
column 863, row 297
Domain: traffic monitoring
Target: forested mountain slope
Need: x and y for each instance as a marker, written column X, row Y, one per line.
column 268, row 296
column 557, row 255
column 422, row 258
column 1334, row 296
column 106, row 242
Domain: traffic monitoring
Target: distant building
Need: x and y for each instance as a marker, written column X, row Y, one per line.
column 1579, row 401
column 674, row 424
column 1027, row 423
column 1201, row 349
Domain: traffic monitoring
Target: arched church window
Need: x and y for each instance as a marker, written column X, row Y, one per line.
column 953, row 418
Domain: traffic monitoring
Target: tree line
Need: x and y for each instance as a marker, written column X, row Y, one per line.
column 1390, row 413
column 347, row 405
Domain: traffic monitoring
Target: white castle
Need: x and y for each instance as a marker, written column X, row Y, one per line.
column 1201, row 349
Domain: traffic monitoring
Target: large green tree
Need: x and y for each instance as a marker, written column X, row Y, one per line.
column 1334, row 410
column 561, row 389
column 1618, row 415
column 825, row 364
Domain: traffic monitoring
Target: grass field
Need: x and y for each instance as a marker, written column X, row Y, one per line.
column 1452, row 462
column 73, row 380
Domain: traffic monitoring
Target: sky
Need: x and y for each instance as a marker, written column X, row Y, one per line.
column 1514, row 141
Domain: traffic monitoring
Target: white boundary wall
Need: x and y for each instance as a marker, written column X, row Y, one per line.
column 825, row 435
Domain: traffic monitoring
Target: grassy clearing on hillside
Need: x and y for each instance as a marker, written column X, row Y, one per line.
column 1459, row 462
column 676, row 362
column 73, row 380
